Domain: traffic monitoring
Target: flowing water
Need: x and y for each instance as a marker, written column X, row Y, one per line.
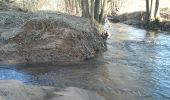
column 135, row 67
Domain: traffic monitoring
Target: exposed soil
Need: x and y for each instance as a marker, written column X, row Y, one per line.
column 137, row 19
column 49, row 37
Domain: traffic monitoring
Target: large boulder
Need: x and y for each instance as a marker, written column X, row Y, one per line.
column 58, row 38
column 15, row 90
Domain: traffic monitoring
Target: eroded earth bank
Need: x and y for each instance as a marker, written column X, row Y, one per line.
column 48, row 37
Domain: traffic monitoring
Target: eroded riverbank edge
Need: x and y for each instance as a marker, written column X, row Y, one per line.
column 49, row 37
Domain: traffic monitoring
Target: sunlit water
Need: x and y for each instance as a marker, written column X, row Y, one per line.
column 135, row 67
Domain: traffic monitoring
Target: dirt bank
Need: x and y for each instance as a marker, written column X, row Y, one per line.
column 132, row 12
column 137, row 19
column 49, row 37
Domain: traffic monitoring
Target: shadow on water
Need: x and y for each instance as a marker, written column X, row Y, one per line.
column 135, row 67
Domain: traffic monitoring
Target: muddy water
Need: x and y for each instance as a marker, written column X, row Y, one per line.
column 135, row 67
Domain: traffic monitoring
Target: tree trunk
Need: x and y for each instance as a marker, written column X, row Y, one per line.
column 147, row 12
column 85, row 8
column 97, row 9
column 92, row 9
column 77, row 7
column 157, row 14
column 152, row 10
column 66, row 5
column 103, row 11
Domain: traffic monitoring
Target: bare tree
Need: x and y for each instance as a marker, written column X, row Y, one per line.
column 147, row 12
column 103, row 10
column 156, row 13
column 92, row 9
column 152, row 10
column 85, row 8
column 97, row 9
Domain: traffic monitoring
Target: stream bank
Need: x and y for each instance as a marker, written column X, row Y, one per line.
column 44, row 37
column 138, row 19
column 135, row 67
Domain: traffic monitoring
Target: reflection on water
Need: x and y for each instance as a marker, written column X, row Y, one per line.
column 12, row 74
column 135, row 67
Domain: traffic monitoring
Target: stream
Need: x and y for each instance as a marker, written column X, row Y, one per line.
column 136, row 66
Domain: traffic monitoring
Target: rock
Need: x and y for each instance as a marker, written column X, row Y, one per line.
column 58, row 38
column 15, row 90
column 73, row 93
